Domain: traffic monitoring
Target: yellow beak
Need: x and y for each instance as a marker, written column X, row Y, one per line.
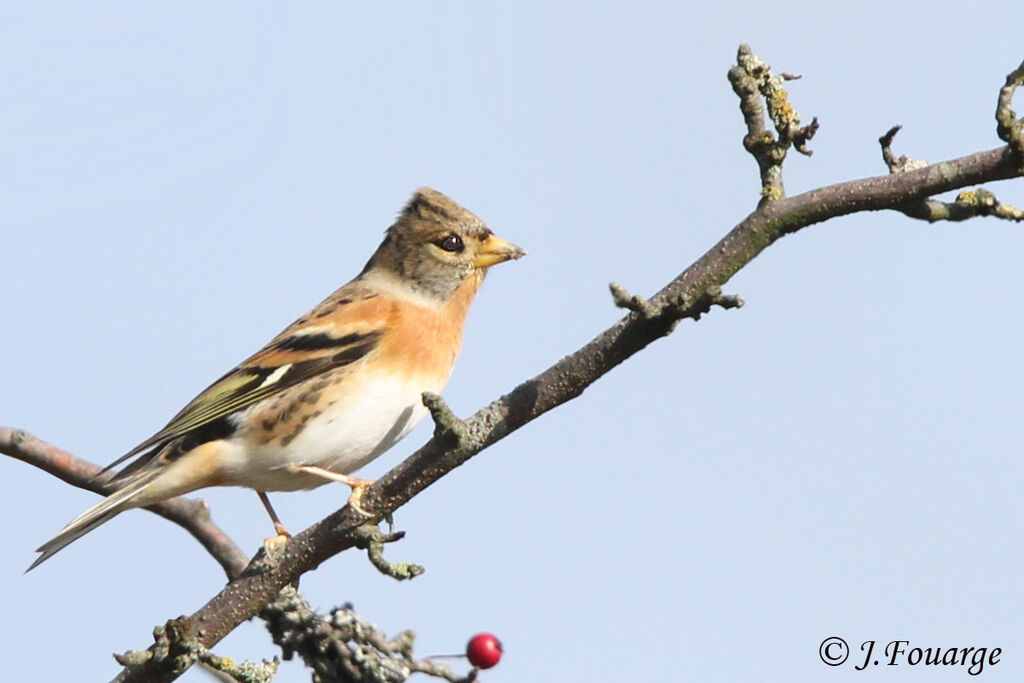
column 495, row 250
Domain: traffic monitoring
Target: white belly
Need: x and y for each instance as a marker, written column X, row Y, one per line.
column 343, row 438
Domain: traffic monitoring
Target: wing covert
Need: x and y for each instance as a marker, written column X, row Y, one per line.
column 283, row 364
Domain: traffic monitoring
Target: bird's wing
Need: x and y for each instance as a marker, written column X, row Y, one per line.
column 337, row 333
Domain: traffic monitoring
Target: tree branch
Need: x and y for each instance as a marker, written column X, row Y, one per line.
column 191, row 515
column 567, row 379
column 1009, row 128
column 360, row 652
column 174, row 649
column 968, row 204
column 752, row 81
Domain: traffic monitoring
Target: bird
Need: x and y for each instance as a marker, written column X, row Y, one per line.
column 335, row 389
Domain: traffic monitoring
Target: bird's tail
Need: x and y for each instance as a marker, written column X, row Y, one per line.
column 117, row 502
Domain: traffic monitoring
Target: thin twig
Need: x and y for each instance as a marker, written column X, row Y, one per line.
column 1009, row 128
column 752, row 81
column 968, row 204
column 901, row 164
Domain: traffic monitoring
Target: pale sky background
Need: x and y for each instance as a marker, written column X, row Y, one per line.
column 841, row 457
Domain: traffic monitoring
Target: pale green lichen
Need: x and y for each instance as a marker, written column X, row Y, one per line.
column 244, row 672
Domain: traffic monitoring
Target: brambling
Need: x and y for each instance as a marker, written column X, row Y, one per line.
column 335, row 389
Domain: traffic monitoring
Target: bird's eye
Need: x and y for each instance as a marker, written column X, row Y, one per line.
column 451, row 243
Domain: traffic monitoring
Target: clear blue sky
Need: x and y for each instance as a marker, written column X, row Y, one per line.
column 840, row 457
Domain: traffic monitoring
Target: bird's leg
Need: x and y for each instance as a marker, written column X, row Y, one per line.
column 278, row 527
column 357, row 485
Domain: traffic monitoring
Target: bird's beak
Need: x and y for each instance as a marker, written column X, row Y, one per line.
column 495, row 250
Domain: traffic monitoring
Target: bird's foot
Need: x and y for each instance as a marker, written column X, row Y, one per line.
column 357, row 485
column 275, row 543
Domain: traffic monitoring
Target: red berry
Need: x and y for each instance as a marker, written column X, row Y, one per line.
column 484, row 650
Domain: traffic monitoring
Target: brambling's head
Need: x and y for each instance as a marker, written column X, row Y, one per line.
column 436, row 244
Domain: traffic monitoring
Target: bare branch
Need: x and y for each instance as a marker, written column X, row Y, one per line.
column 753, row 81
column 1009, row 128
column 968, row 204
column 175, row 650
column 984, row 203
column 446, row 424
column 191, row 515
column 904, row 163
column 637, row 304
column 372, row 539
column 675, row 310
